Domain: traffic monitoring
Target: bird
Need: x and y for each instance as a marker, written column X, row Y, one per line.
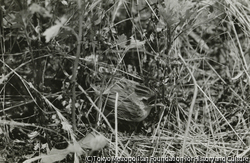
column 133, row 99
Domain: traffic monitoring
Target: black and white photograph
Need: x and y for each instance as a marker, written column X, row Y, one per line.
column 130, row 81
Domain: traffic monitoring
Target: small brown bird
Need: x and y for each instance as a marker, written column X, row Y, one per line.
column 133, row 100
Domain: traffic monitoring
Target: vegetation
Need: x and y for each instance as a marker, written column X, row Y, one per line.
column 55, row 55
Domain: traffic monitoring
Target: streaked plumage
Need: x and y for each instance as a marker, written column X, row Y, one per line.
column 132, row 102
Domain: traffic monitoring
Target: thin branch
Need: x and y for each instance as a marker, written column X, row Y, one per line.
column 76, row 62
column 191, row 106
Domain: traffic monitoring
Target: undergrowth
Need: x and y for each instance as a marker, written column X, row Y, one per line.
column 193, row 54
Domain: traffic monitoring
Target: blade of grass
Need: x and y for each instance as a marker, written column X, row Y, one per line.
column 191, row 106
column 116, row 124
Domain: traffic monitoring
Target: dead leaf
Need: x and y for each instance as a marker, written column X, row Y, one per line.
column 55, row 155
column 58, row 154
column 122, row 41
column 136, row 43
column 53, row 31
column 35, row 8
column 93, row 141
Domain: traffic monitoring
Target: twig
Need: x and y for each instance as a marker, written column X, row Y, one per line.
column 191, row 106
column 76, row 62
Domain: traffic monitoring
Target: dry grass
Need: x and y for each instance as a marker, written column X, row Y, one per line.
column 219, row 121
column 194, row 54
